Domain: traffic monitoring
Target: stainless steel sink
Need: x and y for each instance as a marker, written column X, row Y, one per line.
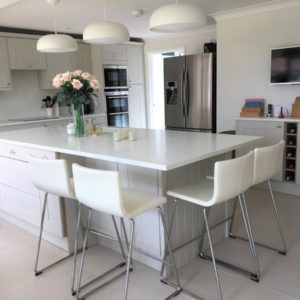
column 30, row 119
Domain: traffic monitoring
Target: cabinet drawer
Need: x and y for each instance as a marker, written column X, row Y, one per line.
column 22, row 153
column 21, row 205
column 15, row 173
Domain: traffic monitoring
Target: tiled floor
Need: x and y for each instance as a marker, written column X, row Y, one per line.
column 280, row 274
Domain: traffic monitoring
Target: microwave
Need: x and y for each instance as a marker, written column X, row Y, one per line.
column 115, row 76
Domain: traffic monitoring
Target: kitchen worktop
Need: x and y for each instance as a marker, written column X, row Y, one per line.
column 41, row 119
column 154, row 149
column 287, row 119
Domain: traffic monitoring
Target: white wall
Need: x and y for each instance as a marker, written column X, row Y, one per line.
column 25, row 99
column 244, row 45
column 192, row 44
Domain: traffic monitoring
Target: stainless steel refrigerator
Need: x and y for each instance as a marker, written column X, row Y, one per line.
column 190, row 92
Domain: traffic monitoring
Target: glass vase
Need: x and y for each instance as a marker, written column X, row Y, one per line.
column 77, row 111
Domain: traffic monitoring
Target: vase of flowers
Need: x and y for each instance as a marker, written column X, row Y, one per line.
column 76, row 89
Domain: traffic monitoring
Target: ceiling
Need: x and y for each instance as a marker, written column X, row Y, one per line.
column 73, row 15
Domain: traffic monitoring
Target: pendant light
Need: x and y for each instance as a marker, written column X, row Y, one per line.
column 177, row 17
column 56, row 43
column 105, row 32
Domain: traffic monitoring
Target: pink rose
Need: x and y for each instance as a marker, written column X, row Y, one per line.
column 56, row 82
column 94, row 84
column 86, row 76
column 66, row 76
column 76, row 84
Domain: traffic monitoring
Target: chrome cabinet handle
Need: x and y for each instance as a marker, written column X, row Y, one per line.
column 12, row 151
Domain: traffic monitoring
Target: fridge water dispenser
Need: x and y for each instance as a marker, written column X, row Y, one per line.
column 171, row 93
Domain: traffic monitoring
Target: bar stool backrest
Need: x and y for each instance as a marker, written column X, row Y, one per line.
column 268, row 161
column 99, row 190
column 232, row 177
column 51, row 175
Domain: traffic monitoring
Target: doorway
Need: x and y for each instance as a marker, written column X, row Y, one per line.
column 156, row 92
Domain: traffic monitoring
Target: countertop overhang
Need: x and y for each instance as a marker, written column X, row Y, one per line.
column 155, row 149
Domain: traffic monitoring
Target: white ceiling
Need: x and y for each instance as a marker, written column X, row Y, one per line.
column 73, row 15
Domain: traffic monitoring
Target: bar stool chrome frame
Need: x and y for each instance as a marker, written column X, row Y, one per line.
column 268, row 162
column 231, row 179
column 101, row 191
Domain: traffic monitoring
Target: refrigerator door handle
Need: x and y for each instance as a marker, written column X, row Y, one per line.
column 187, row 93
column 182, row 93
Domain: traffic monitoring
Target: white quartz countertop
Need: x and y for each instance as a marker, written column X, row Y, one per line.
column 41, row 119
column 287, row 119
column 154, row 149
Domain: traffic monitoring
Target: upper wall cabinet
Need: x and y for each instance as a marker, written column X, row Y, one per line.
column 116, row 52
column 5, row 73
column 24, row 56
column 62, row 62
column 135, row 64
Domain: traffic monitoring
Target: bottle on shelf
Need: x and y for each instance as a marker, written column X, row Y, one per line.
column 291, row 166
column 290, row 154
column 289, row 178
column 281, row 115
column 293, row 130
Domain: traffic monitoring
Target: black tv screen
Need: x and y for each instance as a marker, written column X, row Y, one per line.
column 285, row 65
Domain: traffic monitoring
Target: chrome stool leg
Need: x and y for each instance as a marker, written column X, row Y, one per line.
column 244, row 210
column 201, row 244
column 212, row 254
column 119, row 239
column 36, row 271
column 278, row 221
column 232, row 218
column 83, row 254
column 129, row 258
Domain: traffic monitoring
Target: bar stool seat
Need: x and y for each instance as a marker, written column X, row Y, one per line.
column 101, row 191
column 231, row 178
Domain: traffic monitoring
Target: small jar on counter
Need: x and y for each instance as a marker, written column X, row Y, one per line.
column 90, row 127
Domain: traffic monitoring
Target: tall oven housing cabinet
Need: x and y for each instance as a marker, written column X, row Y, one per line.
column 116, row 94
column 190, row 92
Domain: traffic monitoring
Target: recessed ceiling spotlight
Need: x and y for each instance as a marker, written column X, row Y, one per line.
column 137, row 13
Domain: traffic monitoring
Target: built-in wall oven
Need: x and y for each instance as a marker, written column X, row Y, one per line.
column 116, row 93
column 115, row 76
column 117, row 107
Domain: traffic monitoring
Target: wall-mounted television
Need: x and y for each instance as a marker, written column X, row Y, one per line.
column 285, row 65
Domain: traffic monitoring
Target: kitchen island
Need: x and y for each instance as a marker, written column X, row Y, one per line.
column 156, row 161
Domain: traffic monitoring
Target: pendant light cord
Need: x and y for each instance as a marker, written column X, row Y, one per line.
column 104, row 10
column 54, row 19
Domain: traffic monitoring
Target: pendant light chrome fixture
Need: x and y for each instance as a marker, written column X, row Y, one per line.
column 56, row 43
column 177, row 17
column 105, row 32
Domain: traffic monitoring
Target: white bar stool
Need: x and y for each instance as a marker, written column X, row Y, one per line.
column 101, row 191
column 52, row 177
column 268, row 161
column 231, row 179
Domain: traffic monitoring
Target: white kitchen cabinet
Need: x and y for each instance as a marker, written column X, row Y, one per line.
column 24, row 56
column 135, row 64
column 62, row 62
column 5, row 73
column 21, row 200
column 271, row 131
column 136, row 106
column 115, row 52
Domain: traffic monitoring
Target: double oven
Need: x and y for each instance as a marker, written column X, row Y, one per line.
column 116, row 94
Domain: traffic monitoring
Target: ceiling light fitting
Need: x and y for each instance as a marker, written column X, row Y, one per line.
column 177, row 17
column 105, row 32
column 56, row 43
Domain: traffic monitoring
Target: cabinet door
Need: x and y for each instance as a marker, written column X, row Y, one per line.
column 271, row 131
column 113, row 52
column 24, row 56
column 135, row 64
column 5, row 73
column 62, row 62
column 136, row 106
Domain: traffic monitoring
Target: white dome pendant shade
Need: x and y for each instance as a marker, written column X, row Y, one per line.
column 106, row 33
column 56, row 43
column 177, row 17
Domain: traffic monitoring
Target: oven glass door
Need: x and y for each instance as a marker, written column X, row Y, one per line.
column 118, row 120
column 114, row 77
column 116, row 104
